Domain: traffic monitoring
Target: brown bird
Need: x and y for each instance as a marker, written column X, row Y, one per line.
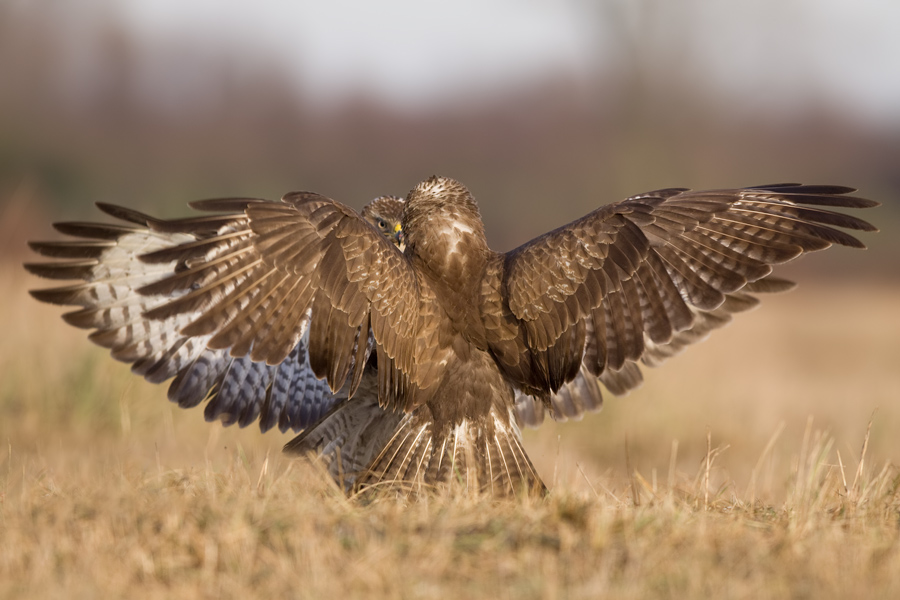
column 426, row 348
column 110, row 259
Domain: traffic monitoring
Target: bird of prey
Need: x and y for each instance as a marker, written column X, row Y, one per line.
column 410, row 355
column 112, row 261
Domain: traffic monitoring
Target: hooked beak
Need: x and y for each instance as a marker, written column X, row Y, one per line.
column 398, row 235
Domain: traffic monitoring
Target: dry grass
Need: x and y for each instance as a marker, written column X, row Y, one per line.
column 108, row 491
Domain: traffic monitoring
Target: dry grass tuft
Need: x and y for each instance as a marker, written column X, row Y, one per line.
column 759, row 479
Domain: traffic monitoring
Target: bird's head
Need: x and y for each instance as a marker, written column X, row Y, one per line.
column 384, row 214
column 440, row 207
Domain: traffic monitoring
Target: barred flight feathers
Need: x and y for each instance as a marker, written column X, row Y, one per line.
column 137, row 280
column 660, row 270
column 407, row 351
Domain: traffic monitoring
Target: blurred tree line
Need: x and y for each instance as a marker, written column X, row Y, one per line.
column 154, row 126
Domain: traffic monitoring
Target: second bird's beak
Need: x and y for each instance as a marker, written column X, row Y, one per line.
column 398, row 235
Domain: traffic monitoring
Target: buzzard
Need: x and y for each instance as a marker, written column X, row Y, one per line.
column 410, row 355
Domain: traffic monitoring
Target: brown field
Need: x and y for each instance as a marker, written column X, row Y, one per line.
column 107, row 490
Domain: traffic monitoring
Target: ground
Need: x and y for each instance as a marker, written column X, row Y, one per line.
column 742, row 468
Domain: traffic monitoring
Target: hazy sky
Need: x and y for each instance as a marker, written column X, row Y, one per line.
column 411, row 52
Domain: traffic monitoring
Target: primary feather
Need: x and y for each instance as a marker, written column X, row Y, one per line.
column 405, row 350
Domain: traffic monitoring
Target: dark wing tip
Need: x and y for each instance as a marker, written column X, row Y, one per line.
column 303, row 197
column 71, row 249
column 75, row 269
column 816, row 196
column 33, row 268
column 125, row 214
column 826, row 195
column 95, row 231
column 770, row 284
column 43, row 295
column 229, row 205
column 61, row 296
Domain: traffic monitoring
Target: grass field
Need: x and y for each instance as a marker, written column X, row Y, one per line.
column 737, row 471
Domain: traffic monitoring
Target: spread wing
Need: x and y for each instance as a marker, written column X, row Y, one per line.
column 638, row 280
column 225, row 303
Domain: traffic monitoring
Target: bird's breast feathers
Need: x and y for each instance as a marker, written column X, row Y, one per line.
column 451, row 234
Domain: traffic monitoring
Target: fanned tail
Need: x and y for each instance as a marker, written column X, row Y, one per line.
column 476, row 456
column 366, row 447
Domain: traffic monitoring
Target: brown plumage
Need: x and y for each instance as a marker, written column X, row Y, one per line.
column 446, row 347
column 118, row 264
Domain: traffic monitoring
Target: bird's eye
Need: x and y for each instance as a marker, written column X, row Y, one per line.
column 381, row 223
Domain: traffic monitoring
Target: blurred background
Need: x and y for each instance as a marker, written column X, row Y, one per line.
column 546, row 110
